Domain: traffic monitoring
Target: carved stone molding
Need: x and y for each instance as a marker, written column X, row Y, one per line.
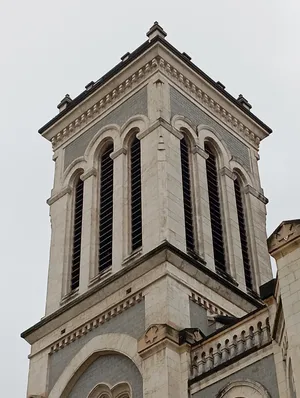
column 207, row 304
column 209, row 103
column 285, row 233
column 103, row 104
column 254, row 192
column 155, row 336
column 157, row 63
column 96, row 322
column 59, row 195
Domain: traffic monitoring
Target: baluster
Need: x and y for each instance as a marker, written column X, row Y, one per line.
column 225, row 352
column 209, row 361
column 241, row 343
column 233, row 347
column 265, row 335
column 203, row 362
column 218, row 355
column 249, row 339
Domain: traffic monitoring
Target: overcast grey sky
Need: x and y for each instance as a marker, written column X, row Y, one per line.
column 52, row 48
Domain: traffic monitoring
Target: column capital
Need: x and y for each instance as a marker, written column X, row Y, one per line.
column 200, row 151
column 115, row 154
column 59, row 195
column 87, row 174
column 250, row 190
column 225, row 171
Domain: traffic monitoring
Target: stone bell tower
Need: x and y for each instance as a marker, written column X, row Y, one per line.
column 158, row 227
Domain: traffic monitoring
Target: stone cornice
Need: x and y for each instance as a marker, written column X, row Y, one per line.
column 104, row 103
column 135, row 79
column 59, row 195
column 96, row 322
column 207, row 304
column 225, row 171
column 254, row 192
column 209, row 103
column 200, row 152
column 91, row 172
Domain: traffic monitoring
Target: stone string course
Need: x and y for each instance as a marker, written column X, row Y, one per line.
column 208, row 305
column 96, row 322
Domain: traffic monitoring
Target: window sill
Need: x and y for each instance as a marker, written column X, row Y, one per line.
column 101, row 276
column 226, row 276
column 132, row 256
column 69, row 296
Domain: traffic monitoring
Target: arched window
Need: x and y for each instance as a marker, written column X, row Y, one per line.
column 77, row 232
column 135, row 194
column 243, row 231
column 215, row 209
column 187, row 197
column 106, row 208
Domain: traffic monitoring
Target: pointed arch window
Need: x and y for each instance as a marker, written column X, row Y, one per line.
column 106, row 208
column 187, row 197
column 240, row 207
column 77, row 233
column 135, row 194
column 215, row 208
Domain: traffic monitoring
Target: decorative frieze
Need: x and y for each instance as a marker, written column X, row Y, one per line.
column 96, row 322
column 209, row 103
column 212, row 308
column 131, row 82
column 103, row 104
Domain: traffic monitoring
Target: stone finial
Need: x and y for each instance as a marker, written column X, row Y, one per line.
column 242, row 100
column 156, row 30
column 64, row 103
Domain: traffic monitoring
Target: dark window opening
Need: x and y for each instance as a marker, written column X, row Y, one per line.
column 136, row 195
column 77, row 234
column 243, row 233
column 106, row 209
column 187, row 198
column 215, row 210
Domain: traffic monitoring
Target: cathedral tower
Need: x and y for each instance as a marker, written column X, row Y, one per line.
column 158, row 228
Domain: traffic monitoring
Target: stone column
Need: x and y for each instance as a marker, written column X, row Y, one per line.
column 90, row 220
column 231, row 231
column 120, row 232
column 256, row 217
column 59, row 249
column 165, row 371
column 203, row 223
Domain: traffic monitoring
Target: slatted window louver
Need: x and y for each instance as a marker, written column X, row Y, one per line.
column 243, row 233
column 187, row 199
column 136, row 196
column 77, row 232
column 215, row 210
column 106, row 209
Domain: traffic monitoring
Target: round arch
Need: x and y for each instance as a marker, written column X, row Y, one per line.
column 243, row 388
column 106, row 343
column 137, row 123
column 183, row 124
column 208, row 134
column 78, row 166
column 108, row 133
column 242, row 173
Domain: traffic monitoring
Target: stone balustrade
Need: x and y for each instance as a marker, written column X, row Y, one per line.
column 246, row 336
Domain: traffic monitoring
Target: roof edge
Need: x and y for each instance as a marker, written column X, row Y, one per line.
column 135, row 54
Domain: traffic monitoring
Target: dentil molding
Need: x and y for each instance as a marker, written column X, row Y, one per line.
column 157, row 63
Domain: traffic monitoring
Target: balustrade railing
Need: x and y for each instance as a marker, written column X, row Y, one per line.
column 211, row 353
